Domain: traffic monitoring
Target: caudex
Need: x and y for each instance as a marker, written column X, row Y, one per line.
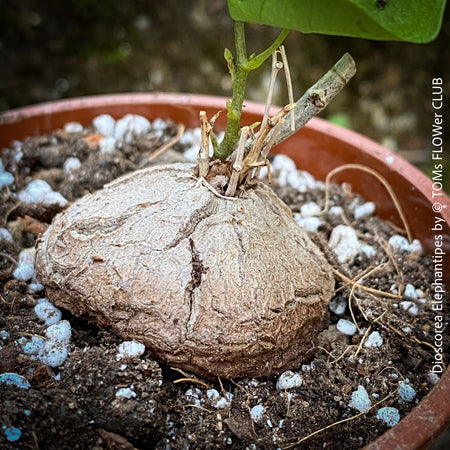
column 241, row 164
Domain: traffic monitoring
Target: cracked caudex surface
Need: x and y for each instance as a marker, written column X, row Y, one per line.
column 219, row 287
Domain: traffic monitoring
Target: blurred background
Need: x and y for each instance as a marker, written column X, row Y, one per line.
column 51, row 49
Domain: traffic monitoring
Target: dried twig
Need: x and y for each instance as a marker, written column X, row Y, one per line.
column 354, row 282
column 288, row 82
column 192, row 380
column 261, row 140
column 276, row 66
column 317, row 97
column 237, row 165
column 203, row 155
column 168, row 144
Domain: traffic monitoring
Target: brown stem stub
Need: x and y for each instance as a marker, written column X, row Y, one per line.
column 203, row 156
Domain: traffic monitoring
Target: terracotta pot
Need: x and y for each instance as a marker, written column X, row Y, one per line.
column 318, row 148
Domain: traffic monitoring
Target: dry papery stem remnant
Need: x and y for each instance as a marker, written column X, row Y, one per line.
column 243, row 166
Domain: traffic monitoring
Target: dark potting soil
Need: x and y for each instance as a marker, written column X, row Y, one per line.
column 75, row 405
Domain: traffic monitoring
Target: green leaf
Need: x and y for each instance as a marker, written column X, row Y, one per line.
column 400, row 20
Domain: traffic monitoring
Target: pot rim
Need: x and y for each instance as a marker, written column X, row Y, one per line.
column 426, row 420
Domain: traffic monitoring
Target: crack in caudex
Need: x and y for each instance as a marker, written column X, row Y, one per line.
column 197, row 272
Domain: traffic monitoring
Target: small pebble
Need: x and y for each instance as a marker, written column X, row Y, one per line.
column 34, row 347
column 224, row 402
column 107, row 145
column 39, row 191
column 159, row 124
column 410, row 307
column 346, row 327
column 54, row 354
column 410, row 292
column 289, row 380
column 310, row 224
column 104, row 124
column 257, row 413
column 73, row 127
column 406, row 392
column 14, row 379
column 400, row 243
column 193, row 395
column 34, row 288
column 344, row 243
column 126, row 393
column 188, row 138
column 310, row 209
column 335, row 211
column 338, row 305
column 5, row 235
column 368, row 250
column 130, row 127
column 23, row 272
column 59, row 332
column 389, row 415
column 432, row 377
column 217, row 401
column 71, row 165
column 374, row 340
column 130, row 349
column 364, row 210
column 12, row 433
column 212, row 394
column 6, row 179
column 47, row 312
column 360, row 400
column 300, row 180
column 283, row 162
column 27, row 256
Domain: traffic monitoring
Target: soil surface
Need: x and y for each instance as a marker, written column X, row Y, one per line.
column 76, row 406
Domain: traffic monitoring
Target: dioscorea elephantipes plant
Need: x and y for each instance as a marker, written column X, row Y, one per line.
column 205, row 265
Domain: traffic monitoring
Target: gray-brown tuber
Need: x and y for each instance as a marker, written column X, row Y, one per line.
column 218, row 287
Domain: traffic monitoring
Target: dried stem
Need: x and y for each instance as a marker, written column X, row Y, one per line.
column 276, row 67
column 237, row 165
column 288, row 82
column 318, row 96
column 262, row 138
column 203, row 156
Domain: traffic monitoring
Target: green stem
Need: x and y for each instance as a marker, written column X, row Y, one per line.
column 239, row 73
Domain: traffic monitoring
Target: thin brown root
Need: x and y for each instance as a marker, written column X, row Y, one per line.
column 201, row 180
column 363, row 340
column 350, row 281
column 9, row 257
column 340, row 421
column 198, row 407
column 192, row 380
column 381, row 179
column 365, row 288
column 168, row 144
